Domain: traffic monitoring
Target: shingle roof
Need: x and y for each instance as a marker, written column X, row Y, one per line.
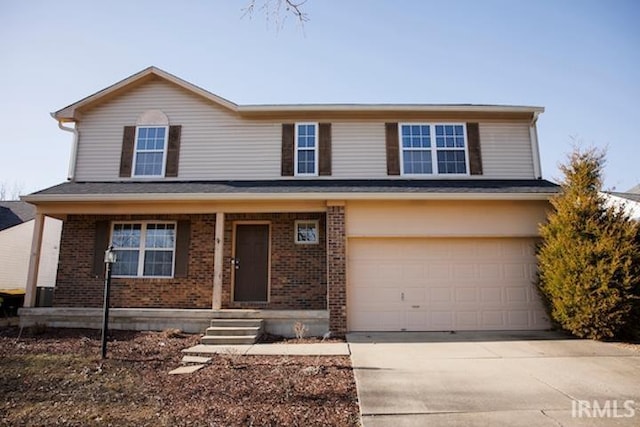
column 300, row 186
column 15, row 212
column 629, row 196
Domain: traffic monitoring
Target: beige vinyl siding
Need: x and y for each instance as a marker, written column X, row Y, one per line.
column 215, row 144
column 506, row 150
column 358, row 150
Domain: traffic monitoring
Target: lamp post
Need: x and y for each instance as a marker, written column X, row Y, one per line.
column 109, row 260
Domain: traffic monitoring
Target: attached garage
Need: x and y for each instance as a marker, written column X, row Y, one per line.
column 478, row 273
column 442, row 284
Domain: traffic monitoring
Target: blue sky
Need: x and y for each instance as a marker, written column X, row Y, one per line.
column 579, row 59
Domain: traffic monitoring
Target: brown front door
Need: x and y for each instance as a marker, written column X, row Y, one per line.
column 251, row 263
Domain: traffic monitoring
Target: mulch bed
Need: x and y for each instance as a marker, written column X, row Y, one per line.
column 56, row 377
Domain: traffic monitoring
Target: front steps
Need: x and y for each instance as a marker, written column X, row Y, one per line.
column 233, row 331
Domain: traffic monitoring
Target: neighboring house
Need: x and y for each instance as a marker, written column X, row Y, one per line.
column 345, row 217
column 16, row 233
column 630, row 201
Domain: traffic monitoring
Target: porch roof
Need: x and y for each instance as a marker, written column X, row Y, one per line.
column 298, row 189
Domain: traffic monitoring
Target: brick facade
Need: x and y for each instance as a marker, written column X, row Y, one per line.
column 337, row 270
column 298, row 272
column 77, row 286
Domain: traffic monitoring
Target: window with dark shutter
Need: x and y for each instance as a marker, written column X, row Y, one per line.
column 126, row 156
column 324, row 165
column 475, row 153
column 288, row 134
column 393, row 155
column 183, row 239
column 173, row 151
column 101, row 243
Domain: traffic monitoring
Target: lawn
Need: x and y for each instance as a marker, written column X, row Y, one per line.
column 56, row 377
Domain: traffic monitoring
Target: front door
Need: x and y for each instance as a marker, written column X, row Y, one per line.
column 251, row 263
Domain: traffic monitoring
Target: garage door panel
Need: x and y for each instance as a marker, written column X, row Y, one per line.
column 442, row 284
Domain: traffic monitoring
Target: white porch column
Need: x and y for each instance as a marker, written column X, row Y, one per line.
column 34, row 261
column 218, row 258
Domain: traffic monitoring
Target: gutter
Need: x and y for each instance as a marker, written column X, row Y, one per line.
column 535, row 148
column 74, row 147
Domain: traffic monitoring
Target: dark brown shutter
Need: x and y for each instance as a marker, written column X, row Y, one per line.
column 324, row 162
column 183, row 238
column 173, row 151
column 475, row 155
column 393, row 149
column 288, row 145
column 126, row 156
column 101, row 243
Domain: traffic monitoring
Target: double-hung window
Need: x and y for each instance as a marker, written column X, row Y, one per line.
column 144, row 249
column 306, row 150
column 150, row 151
column 433, row 149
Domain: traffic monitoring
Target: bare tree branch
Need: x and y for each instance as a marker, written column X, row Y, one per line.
column 278, row 10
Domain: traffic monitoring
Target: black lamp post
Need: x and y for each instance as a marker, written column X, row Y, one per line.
column 109, row 260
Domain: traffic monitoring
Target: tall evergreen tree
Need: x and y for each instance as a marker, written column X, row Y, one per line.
column 589, row 260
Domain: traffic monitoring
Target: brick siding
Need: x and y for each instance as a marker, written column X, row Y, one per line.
column 337, row 274
column 298, row 272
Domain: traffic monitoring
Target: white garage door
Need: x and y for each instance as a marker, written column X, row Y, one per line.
column 442, row 284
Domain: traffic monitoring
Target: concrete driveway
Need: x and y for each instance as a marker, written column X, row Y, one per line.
column 494, row 378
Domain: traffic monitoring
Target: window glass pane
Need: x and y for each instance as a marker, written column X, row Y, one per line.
column 439, row 130
column 148, row 163
column 158, row 263
column 160, row 236
column 448, row 130
column 126, row 263
column 451, row 162
column 149, row 151
column 307, row 232
column 306, row 161
column 439, row 141
column 415, row 136
column 126, row 236
column 417, row 162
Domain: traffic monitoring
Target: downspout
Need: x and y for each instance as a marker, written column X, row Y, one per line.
column 535, row 149
column 74, row 149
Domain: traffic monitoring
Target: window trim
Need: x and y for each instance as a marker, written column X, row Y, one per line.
column 142, row 248
column 296, row 148
column 434, row 150
column 164, row 151
column 297, row 223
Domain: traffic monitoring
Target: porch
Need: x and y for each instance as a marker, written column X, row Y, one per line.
column 277, row 322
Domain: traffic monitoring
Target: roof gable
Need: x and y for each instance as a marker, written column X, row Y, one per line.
column 70, row 113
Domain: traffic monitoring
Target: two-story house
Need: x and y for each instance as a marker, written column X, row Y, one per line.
column 343, row 217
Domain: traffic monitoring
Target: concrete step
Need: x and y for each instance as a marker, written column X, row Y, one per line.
column 199, row 360
column 243, row 323
column 232, row 330
column 228, row 339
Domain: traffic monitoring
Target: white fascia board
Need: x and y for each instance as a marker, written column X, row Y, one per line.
column 175, row 197
column 390, row 107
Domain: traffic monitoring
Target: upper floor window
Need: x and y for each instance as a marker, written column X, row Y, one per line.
column 144, row 249
column 306, row 149
column 433, row 149
column 150, row 151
